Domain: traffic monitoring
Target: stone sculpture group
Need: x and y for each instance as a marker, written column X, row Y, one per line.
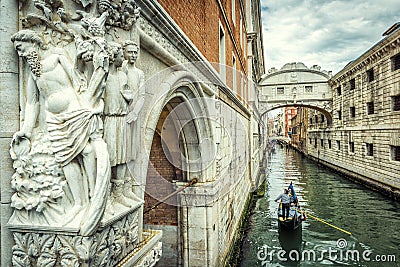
column 82, row 97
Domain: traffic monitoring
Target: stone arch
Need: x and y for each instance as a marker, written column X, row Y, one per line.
column 176, row 130
column 181, row 89
column 324, row 111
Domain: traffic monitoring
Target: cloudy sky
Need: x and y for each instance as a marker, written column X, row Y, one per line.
column 328, row 33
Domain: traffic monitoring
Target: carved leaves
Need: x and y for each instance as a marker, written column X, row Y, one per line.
column 38, row 179
column 105, row 248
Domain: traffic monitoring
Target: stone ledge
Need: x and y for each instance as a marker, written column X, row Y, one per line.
column 147, row 253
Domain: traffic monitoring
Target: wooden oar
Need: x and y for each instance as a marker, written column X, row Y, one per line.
column 331, row 225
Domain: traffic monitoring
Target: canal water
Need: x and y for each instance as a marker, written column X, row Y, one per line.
column 372, row 219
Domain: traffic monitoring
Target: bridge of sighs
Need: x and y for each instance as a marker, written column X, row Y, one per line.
column 296, row 85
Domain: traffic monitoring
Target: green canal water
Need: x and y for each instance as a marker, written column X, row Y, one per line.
column 372, row 219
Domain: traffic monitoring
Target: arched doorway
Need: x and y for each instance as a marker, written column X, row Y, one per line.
column 176, row 156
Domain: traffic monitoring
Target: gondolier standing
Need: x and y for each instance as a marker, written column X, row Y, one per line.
column 285, row 198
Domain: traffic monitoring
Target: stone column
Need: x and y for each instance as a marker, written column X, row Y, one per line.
column 9, row 122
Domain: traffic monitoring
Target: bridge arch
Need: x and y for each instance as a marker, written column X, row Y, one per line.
column 296, row 85
column 324, row 111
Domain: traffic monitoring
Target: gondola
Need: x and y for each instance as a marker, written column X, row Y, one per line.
column 296, row 217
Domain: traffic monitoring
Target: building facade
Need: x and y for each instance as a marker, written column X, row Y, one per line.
column 197, row 129
column 363, row 141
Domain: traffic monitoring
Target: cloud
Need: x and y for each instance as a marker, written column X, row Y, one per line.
column 323, row 32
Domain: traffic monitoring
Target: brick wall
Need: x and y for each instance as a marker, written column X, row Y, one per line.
column 158, row 185
column 199, row 20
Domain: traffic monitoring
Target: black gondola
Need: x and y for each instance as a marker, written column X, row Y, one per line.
column 296, row 217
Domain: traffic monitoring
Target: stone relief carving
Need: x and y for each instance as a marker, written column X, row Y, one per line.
column 105, row 248
column 73, row 84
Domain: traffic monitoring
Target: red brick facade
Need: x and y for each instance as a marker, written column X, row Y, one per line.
column 200, row 21
column 158, row 185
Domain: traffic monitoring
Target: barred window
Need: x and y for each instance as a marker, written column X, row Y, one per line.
column 280, row 90
column 351, row 147
column 396, row 102
column 395, row 153
column 339, row 90
column 370, row 149
column 370, row 108
column 352, row 112
column 308, row 89
column 370, row 75
column 395, row 62
column 353, row 84
column 339, row 114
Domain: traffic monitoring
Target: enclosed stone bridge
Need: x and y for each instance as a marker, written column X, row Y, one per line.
column 296, row 85
column 280, row 138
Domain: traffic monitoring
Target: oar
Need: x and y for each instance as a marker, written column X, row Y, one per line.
column 331, row 225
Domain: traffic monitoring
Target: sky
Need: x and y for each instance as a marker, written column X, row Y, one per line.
column 328, row 33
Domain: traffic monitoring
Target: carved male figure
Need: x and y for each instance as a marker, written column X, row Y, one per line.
column 117, row 97
column 72, row 119
column 136, row 85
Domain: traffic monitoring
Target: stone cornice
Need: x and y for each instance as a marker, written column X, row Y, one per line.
column 295, row 70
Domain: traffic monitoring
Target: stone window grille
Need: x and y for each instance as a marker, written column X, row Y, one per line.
column 308, row 89
column 353, row 84
column 339, row 114
column 370, row 75
column 396, row 103
column 370, row 108
column 395, row 62
column 339, row 90
column 322, row 142
column 310, row 141
column 310, row 120
column 351, row 147
column 395, row 153
column 370, row 149
column 322, row 118
column 353, row 112
column 316, row 118
column 338, row 144
column 329, row 143
column 280, row 90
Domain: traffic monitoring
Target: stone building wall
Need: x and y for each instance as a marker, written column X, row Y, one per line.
column 355, row 128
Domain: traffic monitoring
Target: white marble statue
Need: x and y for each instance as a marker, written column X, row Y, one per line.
column 136, row 85
column 72, row 106
column 117, row 97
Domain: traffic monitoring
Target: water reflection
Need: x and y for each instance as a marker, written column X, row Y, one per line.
column 291, row 243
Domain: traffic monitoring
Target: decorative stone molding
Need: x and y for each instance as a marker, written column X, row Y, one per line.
column 106, row 247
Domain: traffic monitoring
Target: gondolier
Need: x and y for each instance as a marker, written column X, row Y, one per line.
column 285, row 199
